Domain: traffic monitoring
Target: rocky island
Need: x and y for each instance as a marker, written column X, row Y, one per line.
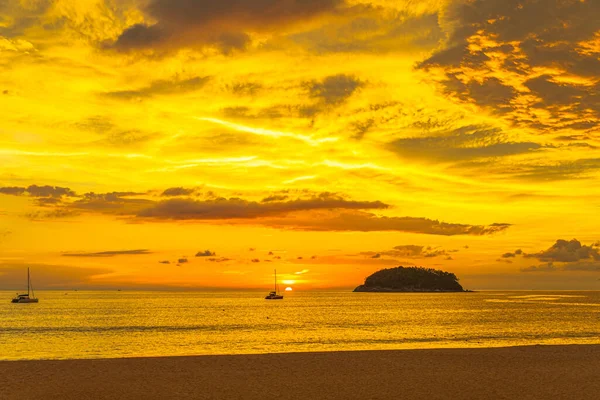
column 411, row 279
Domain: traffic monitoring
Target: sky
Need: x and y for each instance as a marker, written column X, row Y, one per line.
column 201, row 144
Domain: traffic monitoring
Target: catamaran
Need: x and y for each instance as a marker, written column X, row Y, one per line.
column 273, row 295
column 25, row 298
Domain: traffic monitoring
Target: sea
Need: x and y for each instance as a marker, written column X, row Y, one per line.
column 114, row 324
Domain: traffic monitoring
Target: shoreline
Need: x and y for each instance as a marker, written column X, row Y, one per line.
column 524, row 372
column 402, row 349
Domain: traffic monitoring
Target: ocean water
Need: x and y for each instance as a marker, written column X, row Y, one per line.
column 101, row 324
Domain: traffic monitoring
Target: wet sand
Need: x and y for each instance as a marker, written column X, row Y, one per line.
column 532, row 372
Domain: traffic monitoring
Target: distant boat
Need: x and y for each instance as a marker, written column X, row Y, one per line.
column 25, row 298
column 273, row 295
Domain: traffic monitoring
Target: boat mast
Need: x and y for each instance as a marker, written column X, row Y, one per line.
column 29, row 284
column 275, row 280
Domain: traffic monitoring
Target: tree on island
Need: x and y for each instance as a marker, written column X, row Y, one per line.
column 411, row 279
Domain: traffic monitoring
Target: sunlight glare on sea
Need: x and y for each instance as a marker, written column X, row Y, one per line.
column 102, row 324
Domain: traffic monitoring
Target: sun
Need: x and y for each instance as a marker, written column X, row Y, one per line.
column 288, row 289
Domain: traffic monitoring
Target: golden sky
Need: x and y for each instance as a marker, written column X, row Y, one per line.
column 194, row 143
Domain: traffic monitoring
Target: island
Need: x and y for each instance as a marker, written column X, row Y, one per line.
column 411, row 279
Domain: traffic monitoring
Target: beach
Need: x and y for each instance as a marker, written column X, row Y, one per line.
column 527, row 372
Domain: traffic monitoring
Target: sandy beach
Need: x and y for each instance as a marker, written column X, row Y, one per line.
column 531, row 372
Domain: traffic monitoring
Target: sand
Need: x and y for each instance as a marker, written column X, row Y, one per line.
column 531, row 372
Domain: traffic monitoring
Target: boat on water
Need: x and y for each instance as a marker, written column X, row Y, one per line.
column 274, row 295
column 26, row 298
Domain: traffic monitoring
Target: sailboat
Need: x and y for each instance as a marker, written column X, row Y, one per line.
column 24, row 298
column 273, row 295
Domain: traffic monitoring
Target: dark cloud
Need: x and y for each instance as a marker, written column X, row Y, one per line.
column 368, row 222
column 164, row 262
column 21, row 15
column 334, row 90
column 12, row 190
column 565, row 255
column 275, row 198
column 111, row 203
column 111, row 253
column 206, row 253
column 248, row 88
column 52, row 214
column 520, row 38
column 38, row 191
column 583, row 266
column 504, row 260
column 468, row 142
column 373, row 30
column 411, row 251
column 555, row 171
column 177, row 191
column 360, row 128
column 237, row 208
column 548, row 267
column 323, row 211
column 224, row 24
column 162, row 87
column 490, row 92
column 541, row 169
column 567, row 251
column 218, row 260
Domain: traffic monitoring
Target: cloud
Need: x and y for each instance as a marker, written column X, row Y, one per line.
column 205, row 253
column 333, row 90
column 111, row 253
column 111, row 203
column 38, row 191
column 12, row 190
column 162, row 87
column 411, row 251
column 373, row 29
column 320, row 212
column 177, row 191
column 368, row 222
column 164, row 262
column 226, row 24
column 561, row 170
column 275, row 198
column 564, row 255
column 534, row 62
column 237, row 208
column 548, row 267
column 567, row 251
column 218, row 260
column 465, row 143
column 52, row 214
